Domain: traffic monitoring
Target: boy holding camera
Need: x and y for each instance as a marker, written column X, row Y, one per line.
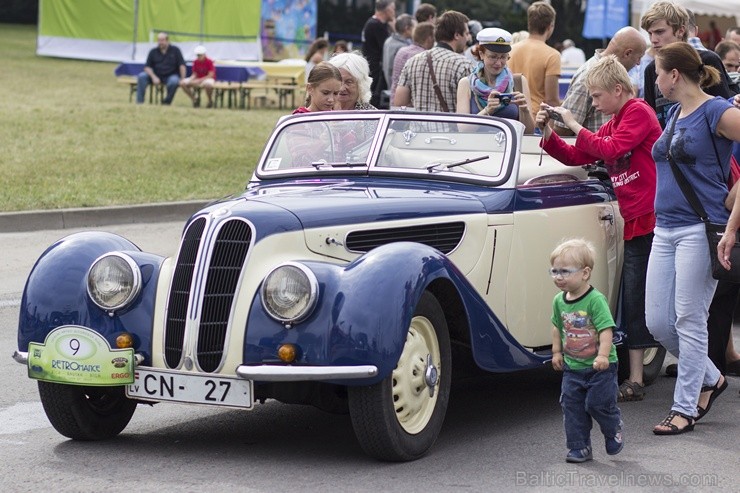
column 625, row 145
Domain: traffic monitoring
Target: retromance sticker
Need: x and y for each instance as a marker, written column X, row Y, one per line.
column 77, row 355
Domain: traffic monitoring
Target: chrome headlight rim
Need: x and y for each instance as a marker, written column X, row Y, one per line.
column 312, row 300
column 136, row 282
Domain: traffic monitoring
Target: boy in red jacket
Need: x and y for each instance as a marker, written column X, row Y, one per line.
column 624, row 143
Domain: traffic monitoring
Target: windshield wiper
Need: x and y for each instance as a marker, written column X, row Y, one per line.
column 322, row 163
column 432, row 167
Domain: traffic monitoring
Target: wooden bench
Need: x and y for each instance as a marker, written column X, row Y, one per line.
column 229, row 79
column 156, row 92
column 282, row 83
column 227, row 89
column 267, row 89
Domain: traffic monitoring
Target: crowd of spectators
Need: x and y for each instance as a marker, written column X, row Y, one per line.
column 621, row 105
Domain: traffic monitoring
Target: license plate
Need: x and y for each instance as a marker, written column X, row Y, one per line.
column 193, row 388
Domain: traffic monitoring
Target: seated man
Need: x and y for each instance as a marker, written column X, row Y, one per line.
column 204, row 76
column 164, row 64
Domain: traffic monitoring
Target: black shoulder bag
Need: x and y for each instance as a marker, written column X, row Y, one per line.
column 714, row 230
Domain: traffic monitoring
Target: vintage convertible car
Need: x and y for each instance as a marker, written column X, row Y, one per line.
column 371, row 254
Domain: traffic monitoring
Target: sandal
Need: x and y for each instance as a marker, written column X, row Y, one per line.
column 673, row 429
column 631, row 391
column 716, row 390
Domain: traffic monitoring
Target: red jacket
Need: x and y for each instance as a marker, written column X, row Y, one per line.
column 625, row 144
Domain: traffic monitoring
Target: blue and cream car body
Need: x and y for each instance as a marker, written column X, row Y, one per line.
column 369, row 255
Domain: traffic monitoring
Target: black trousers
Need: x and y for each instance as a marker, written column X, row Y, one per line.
column 719, row 324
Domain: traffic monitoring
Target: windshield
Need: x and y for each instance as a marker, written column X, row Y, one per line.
column 436, row 147
column 322, row 144
column 429, row 145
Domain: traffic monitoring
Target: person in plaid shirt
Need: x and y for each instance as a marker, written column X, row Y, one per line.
column 628, row 46
column 415, row 87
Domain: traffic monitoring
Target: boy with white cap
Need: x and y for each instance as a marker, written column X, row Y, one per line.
column 204, row 76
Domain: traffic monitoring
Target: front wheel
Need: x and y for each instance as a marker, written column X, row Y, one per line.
column 86, row 413
column 400, row 417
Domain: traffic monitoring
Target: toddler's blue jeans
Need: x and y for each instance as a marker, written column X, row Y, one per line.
column 588, row 394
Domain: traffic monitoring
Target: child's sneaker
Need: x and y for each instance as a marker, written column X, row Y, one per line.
column 579, row 455
column 614, row 444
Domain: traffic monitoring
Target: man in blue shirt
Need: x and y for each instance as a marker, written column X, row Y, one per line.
column 164, row 65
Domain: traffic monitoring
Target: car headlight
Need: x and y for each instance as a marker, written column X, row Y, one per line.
column 113, row 281
column 289, row 292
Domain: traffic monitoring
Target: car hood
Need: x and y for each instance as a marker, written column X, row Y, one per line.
column 341, row 202
column 345, row 218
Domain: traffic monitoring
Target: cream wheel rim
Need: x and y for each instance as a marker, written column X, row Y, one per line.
column 412, row 400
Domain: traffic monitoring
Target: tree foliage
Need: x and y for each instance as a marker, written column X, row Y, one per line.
column 19, row 11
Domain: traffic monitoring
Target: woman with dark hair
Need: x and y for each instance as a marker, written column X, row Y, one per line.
column 697, row 140
column 340, row 46
column 316, row 53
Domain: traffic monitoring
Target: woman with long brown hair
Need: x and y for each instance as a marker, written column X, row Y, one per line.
column 698, row 138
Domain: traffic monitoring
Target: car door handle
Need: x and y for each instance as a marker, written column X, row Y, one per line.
column 608, row 217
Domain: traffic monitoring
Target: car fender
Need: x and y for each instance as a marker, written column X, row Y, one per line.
column 364, row 311
column 55, row 293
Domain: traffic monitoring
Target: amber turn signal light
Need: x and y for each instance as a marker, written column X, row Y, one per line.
column 287, row 353
column 125, row 341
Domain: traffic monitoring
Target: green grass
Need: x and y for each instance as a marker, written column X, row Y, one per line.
column 70, row 138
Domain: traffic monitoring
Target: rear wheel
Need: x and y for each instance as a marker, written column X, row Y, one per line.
column 86, row 413
column 399, row 418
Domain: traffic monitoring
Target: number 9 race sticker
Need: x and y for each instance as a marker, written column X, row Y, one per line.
column 78, row 355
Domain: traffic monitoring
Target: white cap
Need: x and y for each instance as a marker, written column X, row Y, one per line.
column 495, row 39
column 200, row 50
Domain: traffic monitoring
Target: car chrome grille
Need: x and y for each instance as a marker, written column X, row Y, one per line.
column 206, row 296
column 444, row 237
column 229, row 251
column 182, row 280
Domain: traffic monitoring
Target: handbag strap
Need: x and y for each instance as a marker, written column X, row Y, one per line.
column 437, row 90
column 714, row 144
column 683, row 183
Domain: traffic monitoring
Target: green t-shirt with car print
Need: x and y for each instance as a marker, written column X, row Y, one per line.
column 579, row 322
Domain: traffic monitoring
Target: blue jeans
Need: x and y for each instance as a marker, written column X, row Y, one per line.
column 678, row 293
column 634, row 272
column 172, row 82
column 587, row 394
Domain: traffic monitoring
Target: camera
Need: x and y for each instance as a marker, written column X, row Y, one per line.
column 554, row 115
column 505, row 98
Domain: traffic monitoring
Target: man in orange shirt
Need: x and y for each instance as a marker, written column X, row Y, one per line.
column 539, row 63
